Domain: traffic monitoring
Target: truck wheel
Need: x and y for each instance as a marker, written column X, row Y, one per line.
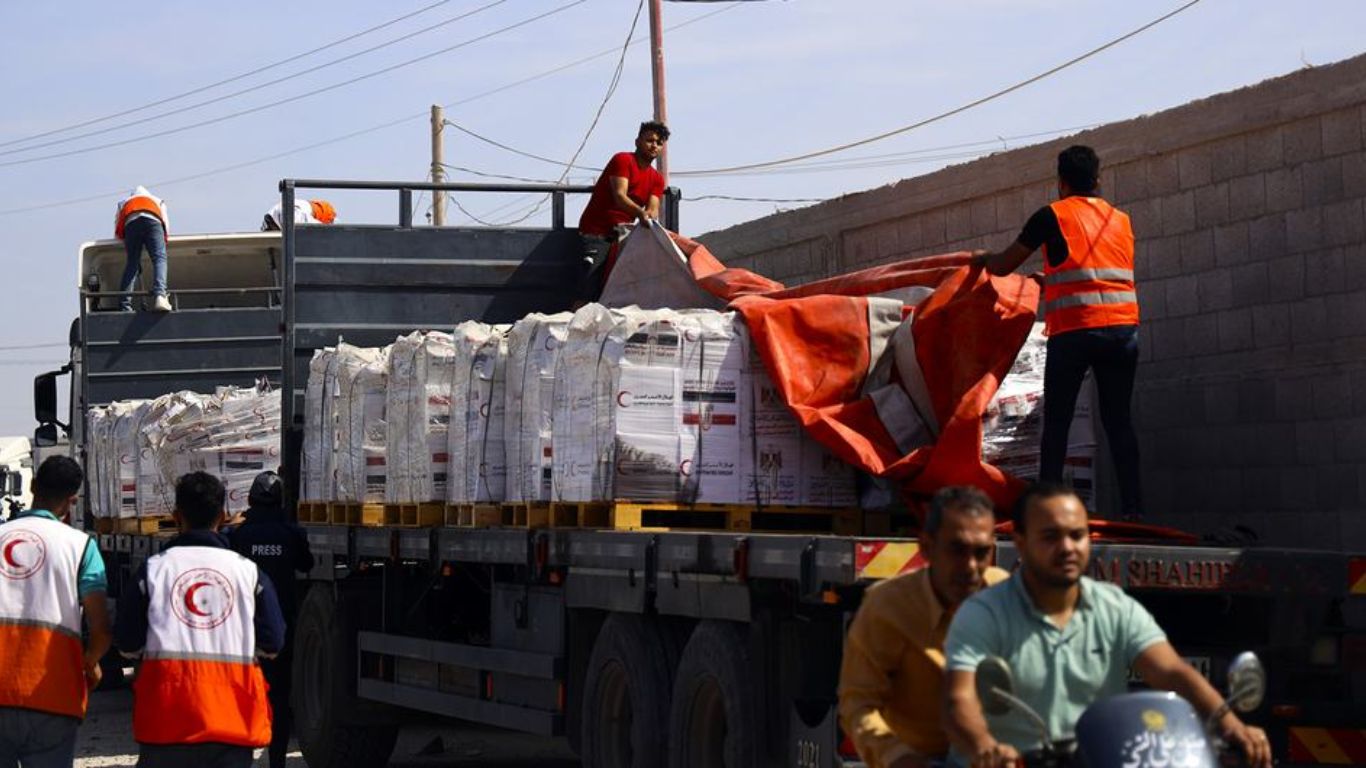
column 625, row 715
column 712, row 720
column 320, row 699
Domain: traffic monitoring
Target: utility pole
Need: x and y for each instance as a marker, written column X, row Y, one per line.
column 438, row 166
column 657, row 68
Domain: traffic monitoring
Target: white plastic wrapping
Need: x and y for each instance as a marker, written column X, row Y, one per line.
column 361, row 465
column 534, row 345
column 320, row 427
column 417, row 413
column 478, row 460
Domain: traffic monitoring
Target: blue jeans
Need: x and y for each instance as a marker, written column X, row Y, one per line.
column 139, row 233
column 34, row 739
column 1112, row 354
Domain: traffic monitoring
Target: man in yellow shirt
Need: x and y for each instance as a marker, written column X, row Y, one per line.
column 892, row 676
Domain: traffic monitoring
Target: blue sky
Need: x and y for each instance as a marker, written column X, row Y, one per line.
column 754, row 82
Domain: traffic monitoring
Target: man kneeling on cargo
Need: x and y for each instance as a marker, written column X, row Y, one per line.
column 891, row 679
column 198, row 614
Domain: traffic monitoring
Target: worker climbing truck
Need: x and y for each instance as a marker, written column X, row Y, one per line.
column 691, row 645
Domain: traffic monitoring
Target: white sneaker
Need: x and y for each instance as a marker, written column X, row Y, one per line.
column 162, row 304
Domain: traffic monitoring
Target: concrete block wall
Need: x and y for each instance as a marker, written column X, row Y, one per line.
column 1250, row 213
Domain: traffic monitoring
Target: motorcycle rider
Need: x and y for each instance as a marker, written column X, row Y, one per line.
column 1068, row 639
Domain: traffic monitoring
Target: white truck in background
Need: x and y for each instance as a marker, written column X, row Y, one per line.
column 16, row 475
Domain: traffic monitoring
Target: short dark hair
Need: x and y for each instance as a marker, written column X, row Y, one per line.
column 657, row 127
column 1041, row 489
column 956, row 498
column 1079, row 166
column 58, row 477
column 199, row 497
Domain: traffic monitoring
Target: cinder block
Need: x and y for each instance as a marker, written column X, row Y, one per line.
column 1353, row 522
column 1275, row 443
column 1228, row 158
column 1010, row 211
column 1145, row 216
column 1183, row 296
column 959, row 222
column 983, row 216
column 1322, row 181
column 1304, row 230
column 885, row 235
column 1145, row 346
column 1164, row 174
column 1303, row 140
column 1298, row 490
column 1339, row 486
column 1263, row 150
column 1284, row 189
column 1355, row 258
column 1231, row 245
column 933, row 227
column 1158, row 257
column 1354, row 174
column 1325, row 271
column 1197, row 251
column 1314, row 441
column 1344, row 223
column 1194, row 166
column 1333, row 395
column 1168, row 339
column 858, row 247
column 1349, row 437
column 1152, row 298
column 1178, row 213
column 1266, row 237
column 1256, row 403
column 1202, row 335
column 1235, row 330
column 1309, row 320
column 1247, row 196
column 1220, row 408
column 1287, row 278
column 1359, row 392
column 1211, row 205
column 1341, row 131
column 1131, row 182
column 1216, row 289
column 909, row 232
column 1271, row 325
column 1251, row 287
column 1346, row 315
column 1295, row 399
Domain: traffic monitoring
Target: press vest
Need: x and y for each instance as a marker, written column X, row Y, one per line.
column 41, row 655
column 1094, row 286
column 199, row 681
column 140, row 204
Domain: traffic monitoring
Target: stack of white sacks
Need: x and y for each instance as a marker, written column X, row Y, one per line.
column 1013, row 423
column 142, row 446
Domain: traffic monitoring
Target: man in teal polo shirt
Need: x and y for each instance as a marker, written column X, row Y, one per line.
column 51, row 578
column 1069, row 641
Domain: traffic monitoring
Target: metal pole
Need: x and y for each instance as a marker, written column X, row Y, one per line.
column 657, row 68
column 438, row 167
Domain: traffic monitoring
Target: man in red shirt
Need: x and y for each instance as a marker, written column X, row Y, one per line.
column 628, row 190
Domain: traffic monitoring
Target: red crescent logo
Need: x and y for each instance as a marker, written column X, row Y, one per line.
column 685, row 468
column 190, row 604
column 625, row 398
column 11, row 565
column 549, row 342
column 235, row 494
column 202, row 598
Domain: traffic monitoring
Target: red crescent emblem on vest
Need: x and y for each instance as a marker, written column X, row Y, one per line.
column 202, row 598
column 12, row 565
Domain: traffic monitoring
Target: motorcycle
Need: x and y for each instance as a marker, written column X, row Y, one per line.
column 1134, row 730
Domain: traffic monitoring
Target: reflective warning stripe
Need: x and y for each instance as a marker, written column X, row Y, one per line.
column 885, row 559
column 1327, row 746
column 1082, row 275
column 1090, row 299
column 1356, row 576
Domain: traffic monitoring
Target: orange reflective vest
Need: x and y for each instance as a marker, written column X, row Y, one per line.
column 140, row 204
column 199, row 681
column 41, row 656
column 1094, row 286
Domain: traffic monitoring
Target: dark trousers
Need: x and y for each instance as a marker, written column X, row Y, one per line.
column 1112, row 355
column 279, row 674
column 593, row 265
column 138, row 234
column 194, row 756
column 34, row 739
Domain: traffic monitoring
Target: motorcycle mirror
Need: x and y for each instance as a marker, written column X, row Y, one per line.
column 1246, row 682
column 993, row 679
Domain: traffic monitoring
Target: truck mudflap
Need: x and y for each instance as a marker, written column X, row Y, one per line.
column 814, row 737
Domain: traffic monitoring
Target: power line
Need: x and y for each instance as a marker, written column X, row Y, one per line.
column 257, row 87
column 232, row 79
column 758, row 199
column 346, row 136
column 51, row 345
column 950, row 113
column 513, row 150
column 296, row 97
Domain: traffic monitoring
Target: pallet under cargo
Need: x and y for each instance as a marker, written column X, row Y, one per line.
column 135, row 525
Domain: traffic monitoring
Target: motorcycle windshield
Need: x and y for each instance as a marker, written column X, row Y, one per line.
column 1150, row 728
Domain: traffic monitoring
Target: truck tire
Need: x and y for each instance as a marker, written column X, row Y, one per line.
column 713, row 716
column 625, row 711
column 322, row 665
